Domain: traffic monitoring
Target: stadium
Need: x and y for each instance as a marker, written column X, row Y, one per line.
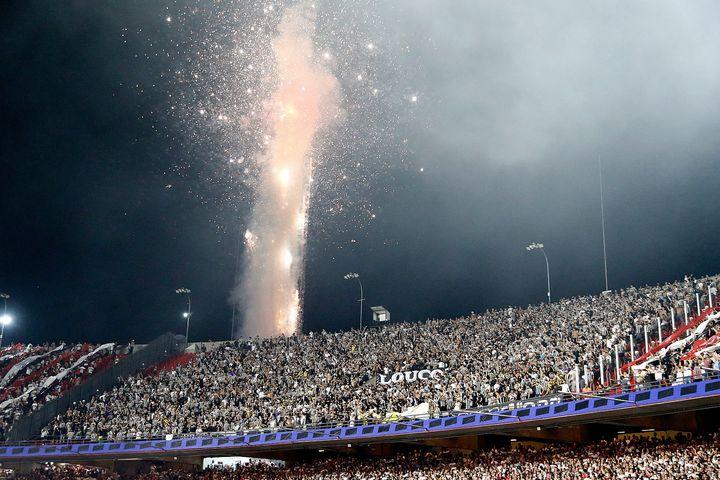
column 359, row 240
column 576, row 389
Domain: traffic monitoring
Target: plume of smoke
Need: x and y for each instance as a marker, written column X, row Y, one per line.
column 303, row 102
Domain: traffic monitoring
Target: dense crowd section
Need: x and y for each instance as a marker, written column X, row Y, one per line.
column 32, row 375
column 631, row 458
column 483, row 359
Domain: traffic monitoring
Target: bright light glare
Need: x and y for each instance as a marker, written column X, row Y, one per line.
column 283, row 177
column 186, row 314
column 6, row 319
column 286, row 258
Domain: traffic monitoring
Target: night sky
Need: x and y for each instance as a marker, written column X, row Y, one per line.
column 109, row 200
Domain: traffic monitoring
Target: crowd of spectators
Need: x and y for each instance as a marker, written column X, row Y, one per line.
column 32, row 375
column 623, row 458
column 321, row 377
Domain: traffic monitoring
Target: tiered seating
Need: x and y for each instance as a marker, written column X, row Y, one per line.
column 396, row 370
column 32, row 375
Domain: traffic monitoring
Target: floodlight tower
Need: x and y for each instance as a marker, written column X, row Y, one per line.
column 350, row 276
column 541, row 247
column 5, row 318
column 188, row 313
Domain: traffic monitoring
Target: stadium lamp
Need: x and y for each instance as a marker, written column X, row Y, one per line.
column 5, row 318
column 356, row 276
column 188, row 313
column 380, row 314
column 539, row 246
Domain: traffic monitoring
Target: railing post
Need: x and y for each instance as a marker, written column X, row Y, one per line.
column 672, row 317
column 577, row 379
column 617, row 363
column 659, row 330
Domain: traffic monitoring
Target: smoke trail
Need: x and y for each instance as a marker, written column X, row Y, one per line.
column 301, row 104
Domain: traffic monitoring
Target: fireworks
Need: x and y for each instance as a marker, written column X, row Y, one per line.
column 254, row 84
column 303, row 102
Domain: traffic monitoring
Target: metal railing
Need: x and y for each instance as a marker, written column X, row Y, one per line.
column 488, row 410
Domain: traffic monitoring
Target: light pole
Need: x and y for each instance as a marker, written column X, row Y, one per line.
column 541, row 247
column 187, row 314
column 5, row 319
column 356, row 276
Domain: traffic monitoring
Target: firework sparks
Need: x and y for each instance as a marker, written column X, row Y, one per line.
column 250, row 93
column 301, row 104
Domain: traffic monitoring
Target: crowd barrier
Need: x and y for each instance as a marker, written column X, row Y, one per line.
column 660, row 400
column 620, row 394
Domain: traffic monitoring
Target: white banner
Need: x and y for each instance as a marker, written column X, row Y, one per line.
column 410, row 376
column 10, row 401
column 50, row 380
column 10, row 375
column 10, row 356
column 418, row 411
column 680, row 344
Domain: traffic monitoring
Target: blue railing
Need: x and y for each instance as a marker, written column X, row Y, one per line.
column 584, row 404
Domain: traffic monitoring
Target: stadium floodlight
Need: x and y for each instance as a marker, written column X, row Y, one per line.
column 356, row 276
column 380, row 314
column 187, row 314
column 539, row 246
column 5, row 318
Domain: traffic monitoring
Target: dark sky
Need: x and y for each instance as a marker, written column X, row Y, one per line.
column 516, row 103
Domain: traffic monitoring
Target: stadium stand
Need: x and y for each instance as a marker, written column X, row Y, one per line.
column 411, row 369
column 637, row 457
column 33, row 375
column 137, row 360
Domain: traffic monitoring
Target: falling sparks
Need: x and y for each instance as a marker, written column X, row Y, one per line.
column 302, row 103
column 240, row 103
